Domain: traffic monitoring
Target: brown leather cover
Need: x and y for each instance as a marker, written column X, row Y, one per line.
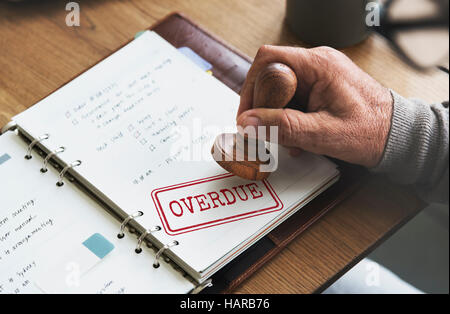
column 231, row 67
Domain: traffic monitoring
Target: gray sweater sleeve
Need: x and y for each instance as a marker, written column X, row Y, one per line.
column 416, row 151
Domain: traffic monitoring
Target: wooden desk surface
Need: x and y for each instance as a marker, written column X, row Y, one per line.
column 38, row 53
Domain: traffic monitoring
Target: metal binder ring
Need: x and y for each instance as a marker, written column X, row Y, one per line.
column 49, row 156
column 161, row 251
column 10, row 126
column 34, row 142
column 65, row 169
column 206, row 284
column 142, row 237
column 125, row 222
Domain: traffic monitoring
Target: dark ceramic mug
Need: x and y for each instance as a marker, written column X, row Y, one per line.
column 335, row 23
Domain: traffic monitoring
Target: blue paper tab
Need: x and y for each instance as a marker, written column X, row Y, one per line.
column 98, row 245
column 4, row 158
column 202, row 63
column 139, row 34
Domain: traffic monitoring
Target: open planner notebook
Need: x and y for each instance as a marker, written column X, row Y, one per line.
column 131, row 138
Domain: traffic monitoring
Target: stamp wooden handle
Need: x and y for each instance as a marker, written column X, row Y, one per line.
column 275, row 86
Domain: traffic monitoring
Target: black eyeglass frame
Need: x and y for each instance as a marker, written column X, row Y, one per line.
column 389, row 28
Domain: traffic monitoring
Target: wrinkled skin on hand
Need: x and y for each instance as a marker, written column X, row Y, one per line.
column 348, row 112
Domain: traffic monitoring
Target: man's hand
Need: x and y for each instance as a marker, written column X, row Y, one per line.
column 348, row 112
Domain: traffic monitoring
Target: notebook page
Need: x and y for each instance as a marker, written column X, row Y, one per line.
column 145, row 119
column 41, row 226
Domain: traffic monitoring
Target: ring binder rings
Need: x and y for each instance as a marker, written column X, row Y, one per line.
column 65, row 169
column 161, row 251
column 10, row 126
column 49, row 156
column 34, row 142
column 134, row 215
column 142, row 237
column 206, row 284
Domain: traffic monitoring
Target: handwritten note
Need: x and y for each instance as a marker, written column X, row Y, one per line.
column 147, row 99
column 21, row 226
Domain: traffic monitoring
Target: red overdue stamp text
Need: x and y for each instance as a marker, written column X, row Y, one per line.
column 213, row 201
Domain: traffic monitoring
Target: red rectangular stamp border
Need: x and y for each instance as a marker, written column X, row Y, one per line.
column 278, row 206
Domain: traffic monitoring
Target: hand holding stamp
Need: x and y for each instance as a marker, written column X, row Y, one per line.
column 275, row 86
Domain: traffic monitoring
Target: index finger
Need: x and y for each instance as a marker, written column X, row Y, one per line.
column 295, row 58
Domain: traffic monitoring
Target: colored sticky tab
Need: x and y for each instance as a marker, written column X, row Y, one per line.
column 98, row 245
column 139, row 34
column 202, row 63
column 4, row 158
column 69, row 267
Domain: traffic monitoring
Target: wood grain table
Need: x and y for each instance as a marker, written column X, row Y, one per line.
column 38, row 53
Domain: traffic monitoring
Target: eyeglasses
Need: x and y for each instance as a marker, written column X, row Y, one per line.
column 418, row 30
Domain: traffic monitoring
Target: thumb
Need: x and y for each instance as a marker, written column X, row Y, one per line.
column 295, row 128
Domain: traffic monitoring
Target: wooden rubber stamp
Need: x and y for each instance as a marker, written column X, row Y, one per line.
column 275, row 86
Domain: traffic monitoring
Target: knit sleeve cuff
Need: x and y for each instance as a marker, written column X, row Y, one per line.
column 408, row 141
